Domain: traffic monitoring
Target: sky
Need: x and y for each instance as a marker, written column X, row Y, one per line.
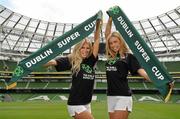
column 76, row 11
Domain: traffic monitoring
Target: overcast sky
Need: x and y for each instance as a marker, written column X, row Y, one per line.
column 76, row 11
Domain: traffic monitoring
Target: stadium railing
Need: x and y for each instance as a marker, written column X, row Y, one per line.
column 61, row 81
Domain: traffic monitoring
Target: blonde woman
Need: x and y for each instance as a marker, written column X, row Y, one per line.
column 81, row 62
column 119, row 62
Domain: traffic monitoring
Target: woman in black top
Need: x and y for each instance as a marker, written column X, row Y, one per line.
column 119, row 62
column 81, row 62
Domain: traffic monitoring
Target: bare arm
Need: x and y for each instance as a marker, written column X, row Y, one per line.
column 108, row 27
column 143, row 73
column 97, row 38
column 50, row 63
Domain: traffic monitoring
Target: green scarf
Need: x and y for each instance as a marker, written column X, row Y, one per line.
column 54, row 48
column 156, row 72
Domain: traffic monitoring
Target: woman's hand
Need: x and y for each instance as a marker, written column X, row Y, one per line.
column 171, row 84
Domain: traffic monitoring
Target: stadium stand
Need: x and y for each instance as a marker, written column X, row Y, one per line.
column 20, row 36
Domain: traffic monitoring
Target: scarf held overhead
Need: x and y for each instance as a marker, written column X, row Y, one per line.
column 54, row 48
column 156, row 72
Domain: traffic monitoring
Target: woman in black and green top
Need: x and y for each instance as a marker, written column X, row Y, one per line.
column 119, row 62
column 81, row 62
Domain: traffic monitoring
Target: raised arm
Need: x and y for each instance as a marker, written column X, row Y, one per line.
column 108, row 27
column 97, row 37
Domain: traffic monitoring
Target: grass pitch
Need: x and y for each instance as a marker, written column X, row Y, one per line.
column 58, row 110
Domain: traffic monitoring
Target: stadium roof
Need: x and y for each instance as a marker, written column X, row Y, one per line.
column 21, row 35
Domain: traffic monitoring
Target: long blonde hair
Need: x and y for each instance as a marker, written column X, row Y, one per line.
column 76, row 58
column 123, row 46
